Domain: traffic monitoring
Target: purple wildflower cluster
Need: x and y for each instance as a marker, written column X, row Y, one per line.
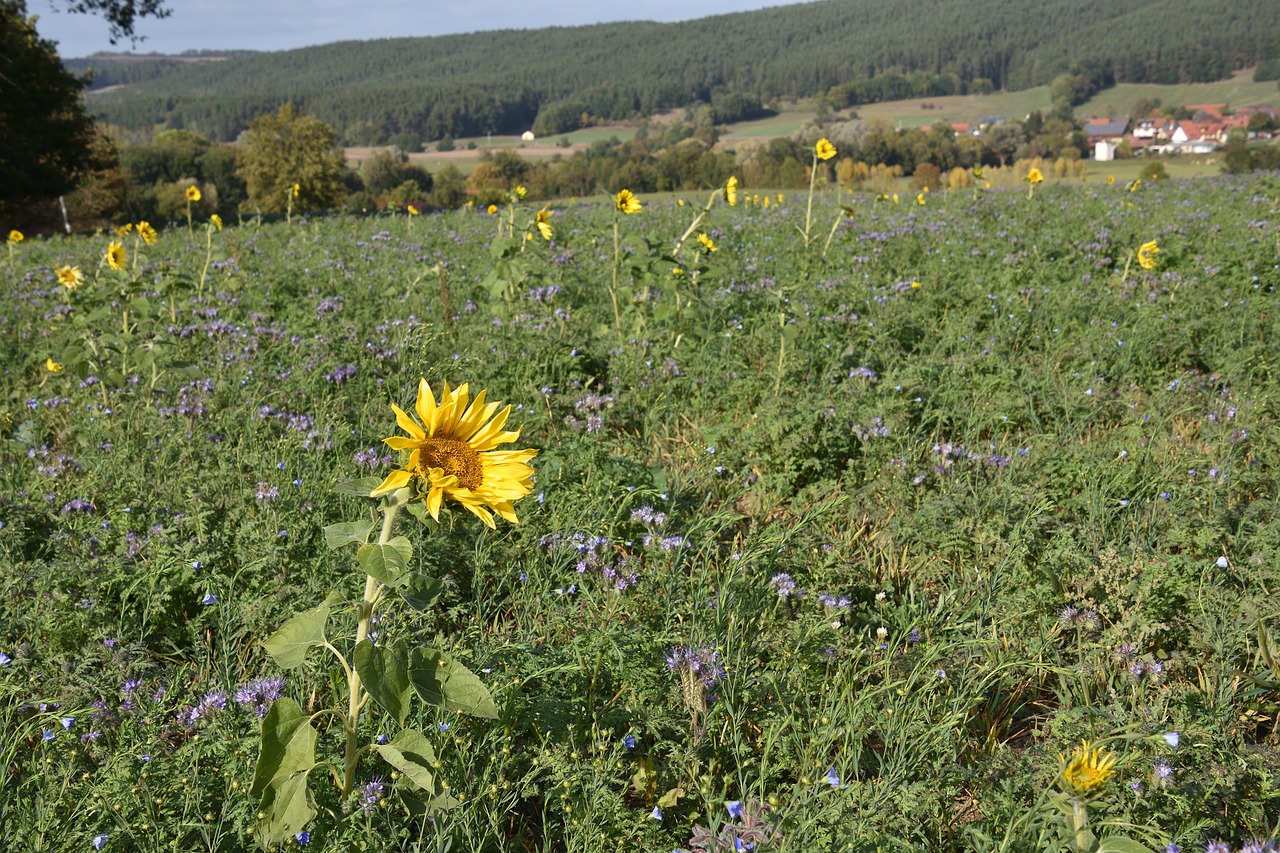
column 191, row 399
column 208, row 706
column 591, row 407
column 371, row 793
column 258, row 694
column 783, row 584
column 78, row 505
column 52, row 464
column 341, row 374
column 266, row 493
column 597, row 554
column 702, row 664
column 1074, row 617
column 329, row 305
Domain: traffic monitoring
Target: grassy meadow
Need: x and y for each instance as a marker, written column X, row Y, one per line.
column 845, row 541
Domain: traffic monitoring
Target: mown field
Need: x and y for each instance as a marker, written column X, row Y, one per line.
column 844, row 542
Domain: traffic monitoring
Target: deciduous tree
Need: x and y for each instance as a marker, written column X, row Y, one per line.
column 288, row 149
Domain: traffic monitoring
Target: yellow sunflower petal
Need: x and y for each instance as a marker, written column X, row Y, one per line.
column 426, row 405
column 406, row 423
column 399, row 442
column 395, row 480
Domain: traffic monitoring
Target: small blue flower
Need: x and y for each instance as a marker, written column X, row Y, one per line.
column 656, row 814
column 1171, row 738
column 734, row 808
column 629, row 741
column 5, row 659
column 209, row 598
column 444, row 727
column 1222, row 562
column 382, row 739
column 833, row 778
column 68, row 722
column 99, row 841
column 49, row 734
column 303, row 837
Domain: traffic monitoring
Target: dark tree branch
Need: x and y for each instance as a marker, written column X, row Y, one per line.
column 121, row 15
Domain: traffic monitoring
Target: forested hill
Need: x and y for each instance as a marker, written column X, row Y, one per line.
column 505, row 81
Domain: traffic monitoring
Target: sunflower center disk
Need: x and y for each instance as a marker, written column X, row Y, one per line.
column 454, row 457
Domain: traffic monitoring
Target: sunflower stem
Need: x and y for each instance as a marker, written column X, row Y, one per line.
column 364, row 613
column 613, row 291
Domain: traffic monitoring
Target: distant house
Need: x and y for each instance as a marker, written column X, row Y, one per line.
column 1158, row 129
column 962, row 129
column 1191, row 137
column 1106, row 130
column 527, row 136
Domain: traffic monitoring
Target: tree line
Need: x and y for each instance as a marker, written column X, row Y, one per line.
column 558, row 79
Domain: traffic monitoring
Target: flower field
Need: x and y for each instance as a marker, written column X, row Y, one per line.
column 853, row 525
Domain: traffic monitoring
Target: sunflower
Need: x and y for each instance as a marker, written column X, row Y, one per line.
column 147, row 233
column 413, row 211
column 16, row 236
column 193, row 193
column 543, row 221
column 52, row 366
column 824, row 149
column 1147, row 255
column 1035, row 176
column 455, row 456
column 731, row 190
column 115, row 256
column 69, row 277
column 627, row 202
column 491, row 209
column 706, row 242
column 1087, row 770
column 217, row 221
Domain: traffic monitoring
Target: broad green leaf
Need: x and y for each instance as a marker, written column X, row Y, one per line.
column 288, row 745
column 1120, row 844
column 287, row 807
column 670, row 798
column 385, row 674
column 645, row 780
column 359, row 488
column 411, row 754
column 289, row 645
column 386, row 562
column 337, row 535
column 441, row 680
column 421, row 591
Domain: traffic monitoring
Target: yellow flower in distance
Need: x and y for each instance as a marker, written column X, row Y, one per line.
column 1087, row 770
column 297, row 188
column 521, row 192
column 147, row 233
column 543, row 221
column 52, row 366
column 920, row 199
column 124, row 229
column 491, row 209
column 1147, row 255
column 1133, row 187
column 731, row 190
column 824, row 149
column 193, row 193
column 115, row 256
column 895, row 198
column 453, row 454
column 16, row 236
column 413, row 211
column 779, row 198
column 69, row 277
column 627, row 202
column 1035, row 176
column 706, row 242
column 217, row 221
column 1111, row 179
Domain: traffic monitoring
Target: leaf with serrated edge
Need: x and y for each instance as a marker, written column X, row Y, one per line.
column 422, row 591
column 441, row 680
column 385, row 674
column 287, row 808
column 337, row 535
column 289, row 645
column 386, row 562
column 411, row 754
column 287, row 746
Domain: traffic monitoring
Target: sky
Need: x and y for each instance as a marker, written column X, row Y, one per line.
column 285, row 24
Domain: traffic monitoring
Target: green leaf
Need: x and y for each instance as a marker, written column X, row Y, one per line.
column 385, row 673
column 422, row 591
column 289, row 645
column 337, row 535
column 386, row 562
column 288, row 745
column 287, row 808
column 411, row 754
column 1120, row 844
column 441, row 680
column 670, row 798
column 359, row 488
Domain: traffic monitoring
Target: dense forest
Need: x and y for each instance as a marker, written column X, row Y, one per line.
column 556, row 79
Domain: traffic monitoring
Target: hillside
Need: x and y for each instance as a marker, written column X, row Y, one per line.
column 505, row 81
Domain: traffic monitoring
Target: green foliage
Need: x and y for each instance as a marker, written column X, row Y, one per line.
column 288, row 149
column 46, row 138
